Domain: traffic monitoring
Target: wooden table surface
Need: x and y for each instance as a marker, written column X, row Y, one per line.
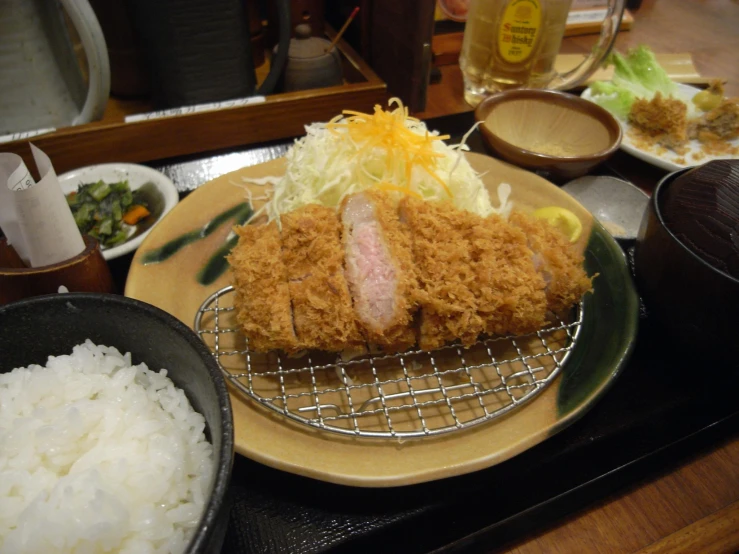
column 693, row 508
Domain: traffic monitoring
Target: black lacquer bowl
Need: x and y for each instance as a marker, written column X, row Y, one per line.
column 31, row 330
column 693, row 300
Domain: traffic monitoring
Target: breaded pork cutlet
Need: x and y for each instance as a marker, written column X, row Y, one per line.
column 509, row 289
column 720, row 123
column 662, row 118
column 441, row 254
column 262, row 296
column 379, row 269
column 556, row 259
column 314, row 260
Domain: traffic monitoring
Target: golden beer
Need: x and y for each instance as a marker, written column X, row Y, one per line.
column 514, row 43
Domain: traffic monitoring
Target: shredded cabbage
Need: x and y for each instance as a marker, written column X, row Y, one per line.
column 386, row 150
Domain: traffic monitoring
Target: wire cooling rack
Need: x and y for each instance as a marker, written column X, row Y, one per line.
column 413, row 394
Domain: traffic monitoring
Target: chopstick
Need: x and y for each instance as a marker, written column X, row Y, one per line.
column 343, row 28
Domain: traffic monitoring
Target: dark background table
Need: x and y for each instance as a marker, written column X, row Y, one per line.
column 667, row 405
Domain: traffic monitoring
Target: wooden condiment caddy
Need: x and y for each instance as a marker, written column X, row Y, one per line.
column 280, row 116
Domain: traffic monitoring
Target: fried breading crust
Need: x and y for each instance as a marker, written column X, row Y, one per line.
column 720, row 123
column 314, row 260
column 664, row 119
column 262, row 299
column 443, row 263
column 509, row 289
column 558, row 261
column 469, row 275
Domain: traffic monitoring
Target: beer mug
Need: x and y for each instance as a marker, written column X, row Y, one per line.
column 514, row 43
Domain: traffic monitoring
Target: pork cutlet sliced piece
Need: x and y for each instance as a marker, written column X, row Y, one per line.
column 380, row 270
column 262, row 299
column 441, row 253
column 314, row 259
column 556, row 258
column 509, row 289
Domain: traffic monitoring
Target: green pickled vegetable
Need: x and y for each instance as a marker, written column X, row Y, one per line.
column 106, row 226
column 99, row 190
column 99, row 208
column 118, row 238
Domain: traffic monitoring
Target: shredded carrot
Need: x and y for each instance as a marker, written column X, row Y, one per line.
column 388, row 130
column 135, row 214
column 405, row 190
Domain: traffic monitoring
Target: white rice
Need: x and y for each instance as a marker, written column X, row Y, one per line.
column 97, row 455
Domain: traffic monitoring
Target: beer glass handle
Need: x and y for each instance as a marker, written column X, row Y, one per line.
column 98, row 64
column 589, row 65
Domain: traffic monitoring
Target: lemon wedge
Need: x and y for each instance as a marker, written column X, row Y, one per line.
column 562, row 219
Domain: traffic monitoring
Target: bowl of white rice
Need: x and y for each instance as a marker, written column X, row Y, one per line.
column 116, row 432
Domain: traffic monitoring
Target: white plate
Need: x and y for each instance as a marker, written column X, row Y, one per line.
column 666, row 159
column 137, row 176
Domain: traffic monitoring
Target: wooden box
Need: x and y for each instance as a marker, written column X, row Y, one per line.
column 280, row 116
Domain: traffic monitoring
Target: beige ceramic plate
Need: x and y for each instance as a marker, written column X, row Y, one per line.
column 271, row 439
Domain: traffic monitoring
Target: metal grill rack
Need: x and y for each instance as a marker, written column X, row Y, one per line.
column 398, row 396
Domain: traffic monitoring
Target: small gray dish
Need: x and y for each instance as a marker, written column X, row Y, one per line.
column 617, row 204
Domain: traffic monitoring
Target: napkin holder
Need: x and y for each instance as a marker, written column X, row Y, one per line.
column 85, row 272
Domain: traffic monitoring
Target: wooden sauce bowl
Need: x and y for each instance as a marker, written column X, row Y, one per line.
column 545, row 130
column 86, row 272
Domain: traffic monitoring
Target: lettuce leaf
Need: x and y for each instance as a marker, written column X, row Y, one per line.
column 635, row 75
column 615, row 99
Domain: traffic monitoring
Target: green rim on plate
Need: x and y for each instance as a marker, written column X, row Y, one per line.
column 608, row 332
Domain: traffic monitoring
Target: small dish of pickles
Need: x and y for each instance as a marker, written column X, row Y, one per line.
column 118, row 203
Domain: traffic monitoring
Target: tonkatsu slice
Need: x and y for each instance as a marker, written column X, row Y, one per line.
column 379, row 270
column 441, row 253
column 262, row 299
column 556, row 259
column 314, row 260
column 509, row 289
